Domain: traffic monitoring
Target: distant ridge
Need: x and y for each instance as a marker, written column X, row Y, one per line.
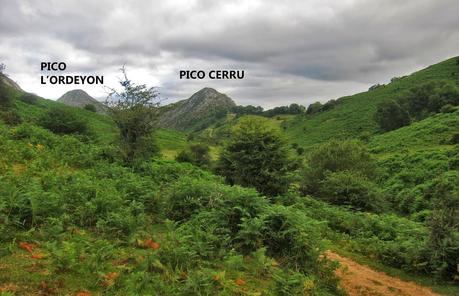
column 80, row 98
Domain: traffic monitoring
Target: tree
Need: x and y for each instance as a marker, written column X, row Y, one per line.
column 336, row 156
column 428, row 98
column 134, row 111
column 2, row 68
column 390, row 116
column 314, row 108
column 256, row 156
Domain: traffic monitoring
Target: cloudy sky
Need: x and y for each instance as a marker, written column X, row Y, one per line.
column 291, row 51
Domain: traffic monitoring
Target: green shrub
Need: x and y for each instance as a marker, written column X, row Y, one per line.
column 63, row 121
column 291, row 236
column 350, row 189
column 454, row 139
column 256, row 156
column 448, row 108
column 390, row 116
column 336, row 156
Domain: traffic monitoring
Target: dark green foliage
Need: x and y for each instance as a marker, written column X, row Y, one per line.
column 90, row 107
column 428, row 98
column 350, row 189
column 300, row 150
column 336, row 156
column 390, row 116
column 444, row 225
column 197, row 154
column 29, row 98
column 247, row 110
column 291, row 109
column 314, row 108
column 455, row 138
column 448, row 108
column 63, row 121
column 256, row 156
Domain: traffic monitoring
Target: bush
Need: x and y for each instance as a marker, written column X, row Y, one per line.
column 336, row 156
column 391, row 116
column 29, row 98
column 350, row 189
column 63, row 121
column 448, row 108
column 257, row 156
column 428, row 98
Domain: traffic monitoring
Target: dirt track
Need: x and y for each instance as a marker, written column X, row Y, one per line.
column 361, row 280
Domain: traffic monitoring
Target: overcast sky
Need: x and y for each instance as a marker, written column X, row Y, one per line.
column 291, row 51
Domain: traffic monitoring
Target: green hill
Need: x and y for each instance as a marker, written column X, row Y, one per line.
column 353, row 115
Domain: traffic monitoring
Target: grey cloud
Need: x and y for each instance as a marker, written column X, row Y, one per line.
column 291, row 50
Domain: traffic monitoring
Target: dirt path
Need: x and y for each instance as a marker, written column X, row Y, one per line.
column 361, row 280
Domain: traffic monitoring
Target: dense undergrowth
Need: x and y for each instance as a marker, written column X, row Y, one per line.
column 75, row 219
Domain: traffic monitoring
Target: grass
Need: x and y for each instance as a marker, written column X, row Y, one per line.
column 353, row 116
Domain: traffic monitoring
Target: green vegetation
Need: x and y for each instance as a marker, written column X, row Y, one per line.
column 63, row 121
column 256, row 156
column 248, row 207
column 134, row 111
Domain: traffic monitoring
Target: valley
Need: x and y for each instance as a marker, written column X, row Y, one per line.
column 222, row 199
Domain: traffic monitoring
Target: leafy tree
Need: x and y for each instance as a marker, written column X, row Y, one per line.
column 247, row 110
column 90, row 107
column 390, row 116
column 296, row 109
column 314, row 108
column 134, row 111
column 63, row 121
column 428, row 98
column 336, row 156
column 256, row 155
column 2, row 68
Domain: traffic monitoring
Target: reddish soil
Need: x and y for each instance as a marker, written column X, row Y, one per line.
column 361, row 280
